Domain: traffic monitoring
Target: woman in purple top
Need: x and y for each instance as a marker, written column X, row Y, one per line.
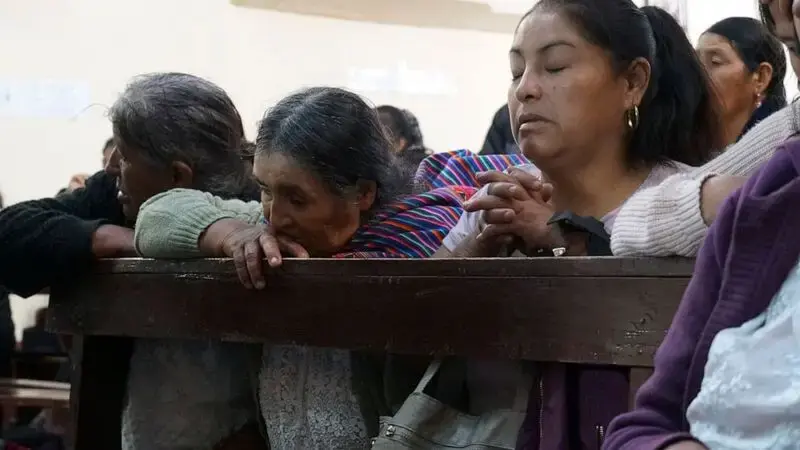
column 699, row 397
column 751, row 248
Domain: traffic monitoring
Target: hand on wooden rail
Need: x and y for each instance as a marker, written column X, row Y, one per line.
column 248, row 245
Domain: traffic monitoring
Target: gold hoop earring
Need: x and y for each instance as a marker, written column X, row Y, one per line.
column 632, row 115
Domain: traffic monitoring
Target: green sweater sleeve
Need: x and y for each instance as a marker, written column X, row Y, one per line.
column 170, row 224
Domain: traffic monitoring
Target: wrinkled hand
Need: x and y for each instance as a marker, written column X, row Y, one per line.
column 109, row 241
column 533, row 184
column 516, row 204
column 249, row 245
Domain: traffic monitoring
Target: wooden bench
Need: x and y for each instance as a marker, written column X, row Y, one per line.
column 18, row 393
column 36, row 384
column 36, row 365
column 576, row 310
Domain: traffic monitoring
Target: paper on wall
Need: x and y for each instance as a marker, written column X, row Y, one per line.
column 42, row 98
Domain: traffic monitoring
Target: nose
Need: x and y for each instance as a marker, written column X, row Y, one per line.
column 278, row 216
column 529, row 88
column 112, row 165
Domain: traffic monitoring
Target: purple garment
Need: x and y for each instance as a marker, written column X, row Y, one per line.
column 578, row 401
column 749, row 251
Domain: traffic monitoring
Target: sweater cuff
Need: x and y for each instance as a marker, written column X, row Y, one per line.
column 85, row 238
column 170, row 226
column 185, row 236
column 664, row 220
column 92, row 225
column 690, row 228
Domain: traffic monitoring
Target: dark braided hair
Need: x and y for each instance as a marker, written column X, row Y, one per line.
column 336, row 135
column 679, row 110
column 401, row 124
column 754, row 44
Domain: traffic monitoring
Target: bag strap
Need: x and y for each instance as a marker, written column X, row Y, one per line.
column 523, row 394
column 256, row 356
column 430, row 372
column 523, row 388
column 522, row 397
column 598, row 240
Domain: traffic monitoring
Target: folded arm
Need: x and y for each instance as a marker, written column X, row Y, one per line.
column 672, row 218
column 43, row 242
column 170, row 224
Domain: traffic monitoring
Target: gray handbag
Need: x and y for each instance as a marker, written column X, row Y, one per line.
column 424, row 423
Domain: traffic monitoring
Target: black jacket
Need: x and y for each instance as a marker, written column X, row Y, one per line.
column 46, row 241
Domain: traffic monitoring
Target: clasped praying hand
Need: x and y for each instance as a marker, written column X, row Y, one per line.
column 515, row 209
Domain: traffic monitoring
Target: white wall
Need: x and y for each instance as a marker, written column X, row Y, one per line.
column 258, row 56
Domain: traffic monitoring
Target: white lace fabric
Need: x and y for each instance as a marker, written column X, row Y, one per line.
column 750, row 394
column 307, row 399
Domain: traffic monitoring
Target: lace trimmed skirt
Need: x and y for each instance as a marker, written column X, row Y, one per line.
column 307, row 399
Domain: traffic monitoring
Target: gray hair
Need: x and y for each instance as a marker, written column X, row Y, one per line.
column 169, row 117
column 338, row 136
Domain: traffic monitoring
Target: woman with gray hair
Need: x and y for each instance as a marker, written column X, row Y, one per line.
column 171, row 130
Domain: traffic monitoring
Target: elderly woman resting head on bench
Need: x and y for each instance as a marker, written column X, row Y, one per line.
column 329, row 188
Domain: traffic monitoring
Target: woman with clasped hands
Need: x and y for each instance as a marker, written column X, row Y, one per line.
column 605, row 99
column 659, row 116
column 726, row 374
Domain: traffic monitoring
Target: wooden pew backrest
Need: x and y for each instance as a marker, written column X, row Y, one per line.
column 584, row 310
column 607, row 311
